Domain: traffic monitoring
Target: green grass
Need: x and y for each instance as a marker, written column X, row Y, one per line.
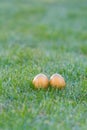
column 43, row 36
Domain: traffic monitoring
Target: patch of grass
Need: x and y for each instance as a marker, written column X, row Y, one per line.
column 43, row 36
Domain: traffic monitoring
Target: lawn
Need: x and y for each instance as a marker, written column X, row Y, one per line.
column 43, row 36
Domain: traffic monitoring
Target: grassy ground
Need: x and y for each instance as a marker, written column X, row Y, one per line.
column 43, row 36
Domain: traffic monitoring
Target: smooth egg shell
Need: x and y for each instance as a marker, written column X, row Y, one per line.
column 57, row 81
column 40, row 81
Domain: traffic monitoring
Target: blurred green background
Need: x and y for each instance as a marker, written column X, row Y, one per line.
column 45, row 36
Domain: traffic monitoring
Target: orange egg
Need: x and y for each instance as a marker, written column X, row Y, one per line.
column 57, row 81
column 40, row 81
